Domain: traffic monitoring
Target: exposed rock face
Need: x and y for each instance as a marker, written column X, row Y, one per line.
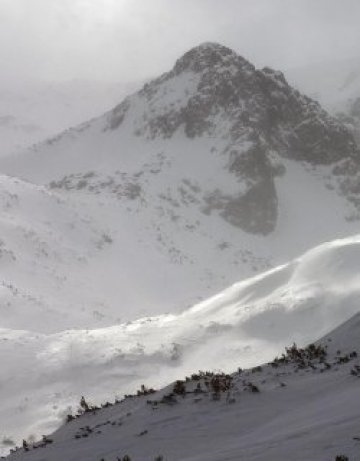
column 213, row 92
column 218, row 122
column 254, row 102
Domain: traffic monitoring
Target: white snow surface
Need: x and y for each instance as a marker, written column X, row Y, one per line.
column 152, row 238
column 247, row 324
column 75, row 259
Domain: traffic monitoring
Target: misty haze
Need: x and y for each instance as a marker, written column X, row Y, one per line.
column 180, row 230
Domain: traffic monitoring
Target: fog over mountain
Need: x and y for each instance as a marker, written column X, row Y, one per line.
column 123, row 40
column 214, row 160
column 179, row 230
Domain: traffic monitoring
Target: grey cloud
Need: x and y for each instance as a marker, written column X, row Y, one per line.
column 127, row 40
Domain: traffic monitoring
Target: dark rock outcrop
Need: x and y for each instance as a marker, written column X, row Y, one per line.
column 256, row 112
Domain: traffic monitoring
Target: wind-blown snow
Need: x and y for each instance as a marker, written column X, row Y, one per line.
column 213, row 172
column 155, row 210
column 247, row 324
column 300, row 407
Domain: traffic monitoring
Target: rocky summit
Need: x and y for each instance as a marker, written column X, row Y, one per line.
column 213, row 93
column 257, row 114
column 258, row 105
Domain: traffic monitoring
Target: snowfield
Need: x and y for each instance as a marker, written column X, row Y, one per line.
column 247, row 324
column 118, row 238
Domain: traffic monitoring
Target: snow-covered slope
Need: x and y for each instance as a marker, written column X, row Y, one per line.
column 245, row 325
column 301, row 406
column 49, row 255
column 211, row 173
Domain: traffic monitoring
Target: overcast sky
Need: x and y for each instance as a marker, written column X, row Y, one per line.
column 127, row 40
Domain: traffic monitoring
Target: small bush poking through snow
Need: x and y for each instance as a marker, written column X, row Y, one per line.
column 301, row 357
column 179, row 388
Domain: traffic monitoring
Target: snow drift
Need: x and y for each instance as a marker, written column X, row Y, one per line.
column 247, row 324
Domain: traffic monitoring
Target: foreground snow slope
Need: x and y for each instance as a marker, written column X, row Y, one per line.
column 247, row 324
column 303, row 406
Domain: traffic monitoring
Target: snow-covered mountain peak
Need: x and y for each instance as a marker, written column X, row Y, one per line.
column 251, row 119
column 212, row 91
column 209, row 55
column 212, row 161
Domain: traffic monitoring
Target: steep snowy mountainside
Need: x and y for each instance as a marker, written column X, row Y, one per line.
column 300, row 405
column 247, row 324
column 251, row 117
column 213, row 161
column 30, row 113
